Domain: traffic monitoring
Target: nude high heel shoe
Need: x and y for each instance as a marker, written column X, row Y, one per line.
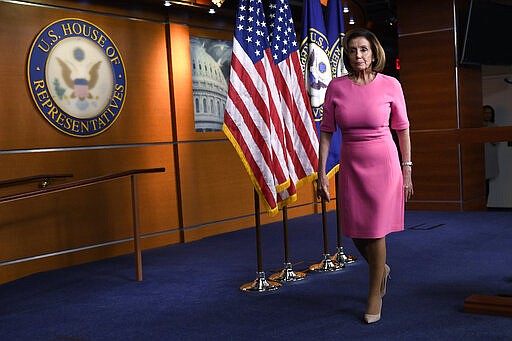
column 384, row 284
column 369, row 318
column 372, row 318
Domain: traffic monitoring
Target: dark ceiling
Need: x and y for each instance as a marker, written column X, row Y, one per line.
column 377, row 11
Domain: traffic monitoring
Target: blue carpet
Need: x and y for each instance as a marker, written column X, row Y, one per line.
column 191, row 291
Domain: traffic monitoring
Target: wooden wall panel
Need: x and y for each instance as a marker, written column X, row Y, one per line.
column 85, row 163
column 215, row 184
column 491, row 134
column 145, row 116
column 473, row 175
column 97, row 206
column 434, row 205
column 437, row 176
column 428, row 77
column 444, row 100
column 182, row 81
column 470, row 97
column 14, row 271
column 90, row 215
column 424, row 16
column 436, row 171
column 298, row 209
column 81, row 217
column 135, row 9
column 475, row 204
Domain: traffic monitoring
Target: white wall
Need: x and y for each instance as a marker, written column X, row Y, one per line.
column 498, row 94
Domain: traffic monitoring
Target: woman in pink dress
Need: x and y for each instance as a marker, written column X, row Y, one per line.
column 373, row 185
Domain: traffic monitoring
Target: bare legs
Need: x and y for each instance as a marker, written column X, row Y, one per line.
column 374, row 252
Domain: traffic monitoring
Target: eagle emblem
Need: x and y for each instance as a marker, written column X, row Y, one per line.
column 318, row 77
column 317, row 70
column 80, row 84
column 77, row 83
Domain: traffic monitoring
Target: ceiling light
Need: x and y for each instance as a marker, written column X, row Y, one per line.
column 351, row 21
column 218, row 3
column 345, row 8
column 211, row 11
column 167, row 3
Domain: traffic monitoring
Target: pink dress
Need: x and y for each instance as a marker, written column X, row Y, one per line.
column 370, row 192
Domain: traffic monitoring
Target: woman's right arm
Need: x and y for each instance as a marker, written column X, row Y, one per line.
column 323, row 182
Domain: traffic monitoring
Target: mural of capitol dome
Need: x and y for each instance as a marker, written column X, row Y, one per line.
column 211, row 60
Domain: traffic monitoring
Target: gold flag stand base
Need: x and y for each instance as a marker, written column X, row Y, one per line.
column 341, row 258
column 260, row 284
column 287, row 274
column 325, row 265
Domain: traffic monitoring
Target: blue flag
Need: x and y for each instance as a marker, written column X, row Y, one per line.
column 314, row 58
column 335, row 35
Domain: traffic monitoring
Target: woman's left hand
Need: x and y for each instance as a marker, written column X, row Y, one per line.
column 408, row 189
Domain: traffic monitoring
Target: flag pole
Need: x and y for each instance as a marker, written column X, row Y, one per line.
column 287, row 274
column 326, row 264
column 340, row 257
column 260, row 284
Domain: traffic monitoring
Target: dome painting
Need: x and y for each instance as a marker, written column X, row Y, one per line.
column 211, row 61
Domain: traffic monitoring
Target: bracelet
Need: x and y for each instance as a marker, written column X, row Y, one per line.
column 408, row 163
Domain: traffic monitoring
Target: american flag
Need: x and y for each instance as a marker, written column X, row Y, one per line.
column 251, row 120
column 300, row 134
column 268, row 118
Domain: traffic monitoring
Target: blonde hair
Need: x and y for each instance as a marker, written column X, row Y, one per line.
column 377, row 50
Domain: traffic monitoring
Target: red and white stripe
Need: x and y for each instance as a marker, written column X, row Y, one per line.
column 252, row 122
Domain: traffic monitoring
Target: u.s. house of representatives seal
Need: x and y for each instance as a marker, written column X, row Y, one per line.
column 76, row 76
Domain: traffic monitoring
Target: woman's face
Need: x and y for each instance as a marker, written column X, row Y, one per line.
column 360, row 54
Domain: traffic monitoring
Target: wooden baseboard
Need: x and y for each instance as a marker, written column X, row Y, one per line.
column 488, row 305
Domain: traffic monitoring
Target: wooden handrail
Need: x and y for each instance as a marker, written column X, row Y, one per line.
column 96, row 180
column 34, row 178
column 76, row 184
